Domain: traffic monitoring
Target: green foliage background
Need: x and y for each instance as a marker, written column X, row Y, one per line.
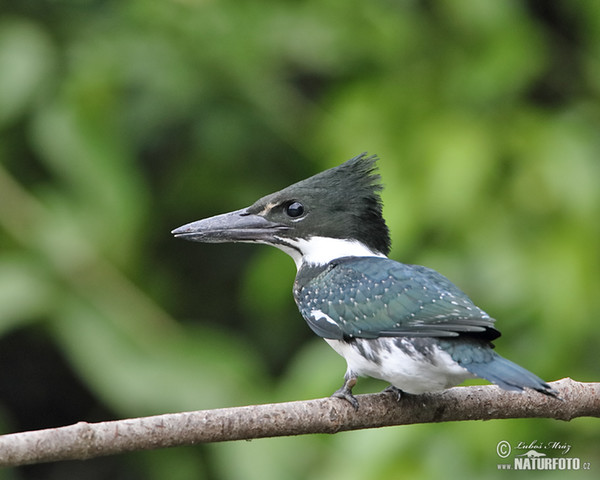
column 120, row 120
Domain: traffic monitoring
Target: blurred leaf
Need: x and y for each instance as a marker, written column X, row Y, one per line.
column 26, row 292
column 267, row 300
column 195, row 370
column 315, row 371
column 104, row 189
column 26, row 62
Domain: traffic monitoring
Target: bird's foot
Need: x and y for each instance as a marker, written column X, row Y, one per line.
column 394, row 391
column 346, row 392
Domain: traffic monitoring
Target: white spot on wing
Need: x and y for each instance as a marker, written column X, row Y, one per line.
column 318, row 314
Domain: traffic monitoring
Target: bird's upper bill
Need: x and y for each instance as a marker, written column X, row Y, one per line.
column 238, row 226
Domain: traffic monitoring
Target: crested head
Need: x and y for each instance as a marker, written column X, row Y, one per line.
column 340, row 203
column 336, row 213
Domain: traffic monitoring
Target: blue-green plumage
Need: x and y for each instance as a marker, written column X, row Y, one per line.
column 406, row 324
column 357, row 300
column 371, row 297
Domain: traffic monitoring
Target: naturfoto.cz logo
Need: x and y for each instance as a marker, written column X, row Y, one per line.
column 534, row 456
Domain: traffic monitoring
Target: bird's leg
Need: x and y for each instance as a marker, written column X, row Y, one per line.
column 346, row 391
column 394, row 391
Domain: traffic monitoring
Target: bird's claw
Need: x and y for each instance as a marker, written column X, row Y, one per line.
column 394, row 391
column 346, row 393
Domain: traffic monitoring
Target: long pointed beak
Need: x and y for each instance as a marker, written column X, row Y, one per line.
column 238, row 226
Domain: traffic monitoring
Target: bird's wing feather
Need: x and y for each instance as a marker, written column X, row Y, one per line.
column 370, row 297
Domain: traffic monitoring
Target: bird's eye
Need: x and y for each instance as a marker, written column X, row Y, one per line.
column 294, row 209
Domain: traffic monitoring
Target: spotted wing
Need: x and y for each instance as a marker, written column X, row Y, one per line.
column 370, row 297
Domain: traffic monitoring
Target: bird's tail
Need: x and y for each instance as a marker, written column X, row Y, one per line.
column 509, row 375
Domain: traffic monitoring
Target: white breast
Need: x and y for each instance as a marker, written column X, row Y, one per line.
column 401, row 365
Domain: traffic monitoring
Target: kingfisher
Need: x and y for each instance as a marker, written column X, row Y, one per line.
column 405, row 324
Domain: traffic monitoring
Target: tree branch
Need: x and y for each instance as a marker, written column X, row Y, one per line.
column 328, row 415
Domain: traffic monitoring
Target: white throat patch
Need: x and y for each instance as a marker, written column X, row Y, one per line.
column 322, row 250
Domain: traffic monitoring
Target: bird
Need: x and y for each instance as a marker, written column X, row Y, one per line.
column 405, row 324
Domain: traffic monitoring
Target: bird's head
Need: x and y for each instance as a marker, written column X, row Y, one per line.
column 335, row 213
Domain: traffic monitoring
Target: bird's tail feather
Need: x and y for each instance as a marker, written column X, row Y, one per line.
column 509, row 375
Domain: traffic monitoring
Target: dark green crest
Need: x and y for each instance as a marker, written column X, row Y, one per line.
column 342, row 202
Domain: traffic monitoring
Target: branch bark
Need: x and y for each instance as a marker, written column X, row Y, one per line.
column 327, row 415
